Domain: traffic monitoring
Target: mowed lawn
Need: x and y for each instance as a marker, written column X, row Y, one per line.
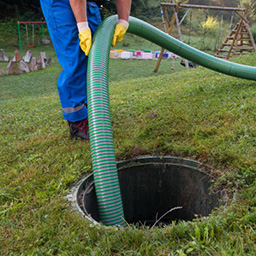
column 197, row 114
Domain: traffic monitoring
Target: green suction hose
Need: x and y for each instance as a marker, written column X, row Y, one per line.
column 160, row 38
column 101, row 138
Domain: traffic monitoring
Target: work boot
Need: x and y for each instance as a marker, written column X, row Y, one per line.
column 79, row 129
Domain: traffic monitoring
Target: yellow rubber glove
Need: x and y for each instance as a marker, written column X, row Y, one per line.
column 85, row 37
column 119, row 33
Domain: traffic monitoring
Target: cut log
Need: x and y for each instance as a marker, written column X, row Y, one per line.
column 42, row 60
column 17, row 55
column 3, row 57
column 33, row 66
column 42, row 56
column 48, row 62
column 24, row 67
column 39, row 66
column 27, row 57
column 12, row 68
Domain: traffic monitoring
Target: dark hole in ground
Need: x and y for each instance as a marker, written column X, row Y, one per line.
column 152, row 186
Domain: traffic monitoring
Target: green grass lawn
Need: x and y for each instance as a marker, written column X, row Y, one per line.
column 198, row 114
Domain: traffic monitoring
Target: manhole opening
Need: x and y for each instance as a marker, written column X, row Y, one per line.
column 169, row 188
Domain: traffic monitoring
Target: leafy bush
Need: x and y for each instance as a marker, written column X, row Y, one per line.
column 8, row 32
column 210, row 24
column 149, row 14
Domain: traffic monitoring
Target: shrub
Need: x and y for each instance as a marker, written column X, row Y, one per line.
column 210, row 24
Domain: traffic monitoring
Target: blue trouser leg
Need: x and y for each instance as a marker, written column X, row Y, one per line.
column 64, row 34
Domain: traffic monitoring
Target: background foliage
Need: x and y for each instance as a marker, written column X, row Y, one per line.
column 30, row 9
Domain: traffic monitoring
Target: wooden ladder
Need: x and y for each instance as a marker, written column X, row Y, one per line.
column 239, row 42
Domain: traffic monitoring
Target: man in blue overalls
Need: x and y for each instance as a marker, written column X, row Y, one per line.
column 71, row 24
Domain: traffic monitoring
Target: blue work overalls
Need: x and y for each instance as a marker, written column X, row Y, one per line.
column 63, row 31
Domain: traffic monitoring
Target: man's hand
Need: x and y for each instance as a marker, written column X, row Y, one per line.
column 79, row 10
column 85, row 37
column 120, row 31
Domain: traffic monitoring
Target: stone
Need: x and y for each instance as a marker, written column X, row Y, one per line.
column 24, row 67
column 3, row 57
column 12, row 68
column 27, row 57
